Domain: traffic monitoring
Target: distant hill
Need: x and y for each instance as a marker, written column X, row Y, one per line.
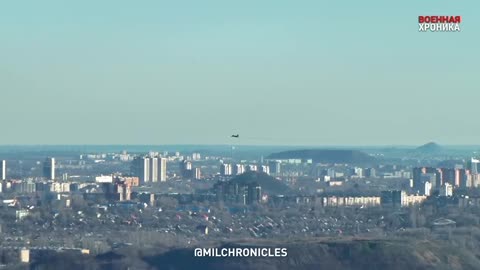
column 429, row 148
column 269, row 184
column 326, row 156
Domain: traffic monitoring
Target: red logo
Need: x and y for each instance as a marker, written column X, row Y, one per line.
column 439, row 19
column 439, row 23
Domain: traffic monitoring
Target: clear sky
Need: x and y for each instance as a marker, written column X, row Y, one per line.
column 276, row 72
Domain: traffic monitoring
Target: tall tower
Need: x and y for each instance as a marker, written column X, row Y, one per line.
column 154, row 169
column 141, row 168
column 186, row 169
column 226, row 169
column 49, row 168
column 473, row 165
column 3, row 170
column 198, row 173
column 274, row 167
column 163, row 169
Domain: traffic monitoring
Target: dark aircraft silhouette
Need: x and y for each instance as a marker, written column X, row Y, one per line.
column 235, row 136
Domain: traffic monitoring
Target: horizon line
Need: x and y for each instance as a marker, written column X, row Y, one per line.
column 235, row 144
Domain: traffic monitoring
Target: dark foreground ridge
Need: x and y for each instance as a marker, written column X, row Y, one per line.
column 326, row 156
column 340, row 254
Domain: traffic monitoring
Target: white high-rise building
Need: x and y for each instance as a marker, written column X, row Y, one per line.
column 49, row 168
column 163, row 169
column 150, row 169
column 474, row 165
column 146, row 169
column 239, row 169
column 359, row 172
column 447, row 190
column 226, row 169
column 3, row 170
column 141, row 168
column 198, row 173
column 428, row 188
column 331, row 172
column 275, row 167
column 154, row 169
column 266, row 169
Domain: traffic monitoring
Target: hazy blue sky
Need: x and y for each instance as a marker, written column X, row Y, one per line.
column 277, row 72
